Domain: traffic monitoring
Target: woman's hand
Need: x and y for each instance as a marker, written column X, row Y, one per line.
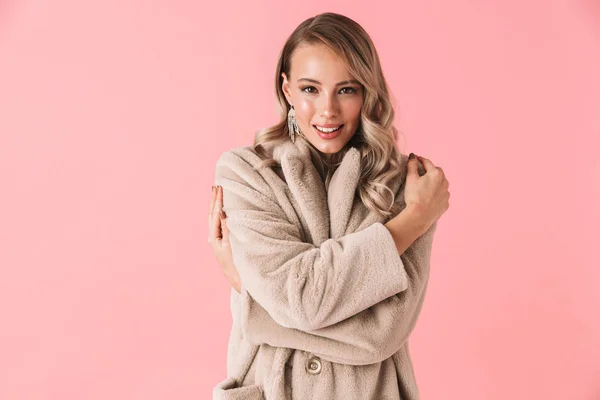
column 428, row 194
column 218, row 237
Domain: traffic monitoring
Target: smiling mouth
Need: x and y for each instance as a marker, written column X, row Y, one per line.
column 327, row 130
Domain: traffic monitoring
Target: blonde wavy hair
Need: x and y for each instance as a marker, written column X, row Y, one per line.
column 376, row 135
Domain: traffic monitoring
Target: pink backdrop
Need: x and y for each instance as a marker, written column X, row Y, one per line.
column 113, row 114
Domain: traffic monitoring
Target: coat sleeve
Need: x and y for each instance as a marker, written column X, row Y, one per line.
column 300, row 285
column 370, row 336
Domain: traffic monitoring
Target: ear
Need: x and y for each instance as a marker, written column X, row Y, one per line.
column 285, row 87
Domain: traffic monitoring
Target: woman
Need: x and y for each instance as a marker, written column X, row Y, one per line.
column 328, row 231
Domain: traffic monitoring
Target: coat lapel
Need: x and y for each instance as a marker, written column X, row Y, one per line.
column 307, row 188
column 324, row 212
column 342, row 192
column 347, row 211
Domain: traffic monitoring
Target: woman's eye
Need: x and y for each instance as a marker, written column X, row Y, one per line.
column 351, row 90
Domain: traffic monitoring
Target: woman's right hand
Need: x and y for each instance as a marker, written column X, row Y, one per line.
column 428, row 195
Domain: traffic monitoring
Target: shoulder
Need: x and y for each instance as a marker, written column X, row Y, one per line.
column 402, row 171
column 403, row 167
column 236, row 167
column 398, row 182
column 238, row 161
column 242, row 156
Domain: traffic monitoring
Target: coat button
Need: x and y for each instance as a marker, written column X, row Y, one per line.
column 313, row 365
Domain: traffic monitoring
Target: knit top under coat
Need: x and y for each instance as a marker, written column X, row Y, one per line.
column 327, row 304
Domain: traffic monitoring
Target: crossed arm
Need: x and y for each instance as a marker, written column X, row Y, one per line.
column 353, row 300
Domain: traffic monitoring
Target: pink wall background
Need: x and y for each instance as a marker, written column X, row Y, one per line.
column 113, row 114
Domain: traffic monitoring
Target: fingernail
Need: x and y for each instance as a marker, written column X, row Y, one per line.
column 411, row 156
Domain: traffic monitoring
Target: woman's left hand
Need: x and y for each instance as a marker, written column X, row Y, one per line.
column 218, row 237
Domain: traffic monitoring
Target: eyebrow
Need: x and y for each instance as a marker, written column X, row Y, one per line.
column 338, row 84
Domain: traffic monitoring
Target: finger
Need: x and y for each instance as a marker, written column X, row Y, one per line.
column 442, row 171
column 413, row 167
column 212, row 200
column 427, row 164
column 216, row 225
column 210, row 209
column 224, row 227
column 219, row 203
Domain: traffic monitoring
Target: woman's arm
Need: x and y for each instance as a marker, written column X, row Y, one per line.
column 406, row 227
column 367, row 337
column 300, row 285
column 370, row 336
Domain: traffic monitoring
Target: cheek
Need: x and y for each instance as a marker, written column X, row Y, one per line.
column 352, row 109
column 355, row 106
column 305, row 110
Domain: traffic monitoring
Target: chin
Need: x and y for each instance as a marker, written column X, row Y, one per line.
column 327, row 147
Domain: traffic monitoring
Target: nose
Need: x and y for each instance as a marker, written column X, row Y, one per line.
column 330, row 106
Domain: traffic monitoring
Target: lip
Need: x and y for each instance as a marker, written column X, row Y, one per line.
column 328, row 136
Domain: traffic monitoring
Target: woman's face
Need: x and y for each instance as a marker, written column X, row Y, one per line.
column 323, row 95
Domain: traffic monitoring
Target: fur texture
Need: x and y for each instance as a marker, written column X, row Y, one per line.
column 321, row 277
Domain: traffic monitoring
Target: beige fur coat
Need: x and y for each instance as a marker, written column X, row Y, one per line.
column 327, row 303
